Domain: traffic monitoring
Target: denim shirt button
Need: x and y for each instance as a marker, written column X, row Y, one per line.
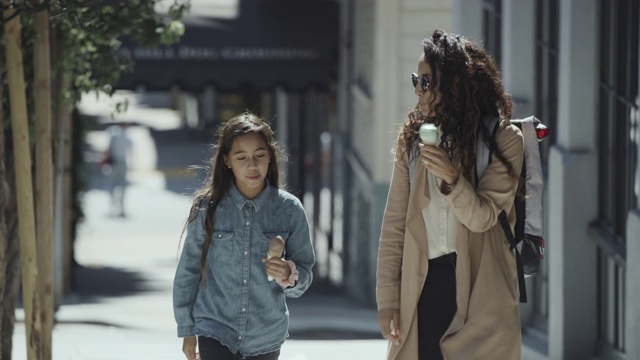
column 246, row 252
column 244, row 309
column 239, row 337
column 244, row 281
column 247, row 223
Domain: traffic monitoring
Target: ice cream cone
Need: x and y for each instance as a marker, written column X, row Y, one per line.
column 276, row 248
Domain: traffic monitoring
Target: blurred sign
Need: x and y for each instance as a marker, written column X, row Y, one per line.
column 231, row 53
column 270, row 43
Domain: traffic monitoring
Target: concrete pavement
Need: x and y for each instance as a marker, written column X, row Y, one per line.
column 120, row 307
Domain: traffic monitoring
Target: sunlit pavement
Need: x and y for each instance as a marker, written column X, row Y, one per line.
column 121, row 305
column 122, row 308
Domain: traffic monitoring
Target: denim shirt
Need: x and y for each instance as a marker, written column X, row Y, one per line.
column 238, row 306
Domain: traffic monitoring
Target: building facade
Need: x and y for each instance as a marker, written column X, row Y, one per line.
column 575, row 65
column 380, row 46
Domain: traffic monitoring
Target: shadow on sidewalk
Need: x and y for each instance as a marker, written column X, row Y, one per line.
column 90, row 284
column 325, row 312
column 98, row 324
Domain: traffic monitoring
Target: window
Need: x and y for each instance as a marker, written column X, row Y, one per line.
column 546, row 108
column 492, row 31
column 546, row 72
column 618, row 89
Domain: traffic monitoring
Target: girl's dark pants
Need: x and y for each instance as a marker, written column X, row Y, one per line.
column 211, row 349
column 436, row 306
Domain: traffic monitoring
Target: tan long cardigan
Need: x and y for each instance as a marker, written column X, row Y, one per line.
column 486, row 324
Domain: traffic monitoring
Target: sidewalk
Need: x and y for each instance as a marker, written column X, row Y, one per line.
column 121, row 306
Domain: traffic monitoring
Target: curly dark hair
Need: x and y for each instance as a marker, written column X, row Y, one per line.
column 468, row 83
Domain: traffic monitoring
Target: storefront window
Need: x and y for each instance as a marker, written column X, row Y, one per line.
column 617, row 173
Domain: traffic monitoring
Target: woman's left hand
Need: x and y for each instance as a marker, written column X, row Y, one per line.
column 277, row 268
column 437, row 161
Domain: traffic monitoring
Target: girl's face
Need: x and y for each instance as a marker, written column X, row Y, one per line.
column 424, row 97
column 249, row 162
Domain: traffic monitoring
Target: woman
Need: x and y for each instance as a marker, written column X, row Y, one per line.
column 446, row 279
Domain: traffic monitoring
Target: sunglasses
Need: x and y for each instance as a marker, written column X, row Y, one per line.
column 424, row 81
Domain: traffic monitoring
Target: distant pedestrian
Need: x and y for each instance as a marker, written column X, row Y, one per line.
column 117, row 157
column 223, row 299
column 446, row 280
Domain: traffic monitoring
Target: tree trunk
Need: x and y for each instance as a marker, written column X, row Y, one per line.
column 12, row 272
column 24, row 183
column 4, row 200
column 44, row 175
column 9, row 254
column 67, row 205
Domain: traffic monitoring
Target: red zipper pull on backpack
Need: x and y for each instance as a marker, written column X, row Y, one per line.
column 541, row 131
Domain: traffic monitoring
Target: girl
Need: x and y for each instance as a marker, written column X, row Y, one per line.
column 446, row 279
column 223, row 300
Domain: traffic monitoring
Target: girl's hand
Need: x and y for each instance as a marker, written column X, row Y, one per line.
column 189, row 347
column 277, row 268
column 437, row 161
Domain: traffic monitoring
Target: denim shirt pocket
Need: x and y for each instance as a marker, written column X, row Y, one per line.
column 221, row 249
column 268, row 235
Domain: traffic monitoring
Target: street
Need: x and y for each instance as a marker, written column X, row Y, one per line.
column 121, row 308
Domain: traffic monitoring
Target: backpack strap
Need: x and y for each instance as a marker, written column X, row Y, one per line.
column 483, row 160
column 483, row 153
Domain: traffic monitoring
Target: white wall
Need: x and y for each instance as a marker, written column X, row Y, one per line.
column 573, row 187
column 402, row 27
column 399, row 29
column 467, row 18
column 519, row 54
column 384, row 50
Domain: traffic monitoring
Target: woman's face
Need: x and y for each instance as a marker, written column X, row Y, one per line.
column 424, row 97
column 249, row 162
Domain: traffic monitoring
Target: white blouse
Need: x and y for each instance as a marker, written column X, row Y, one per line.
column 440, row 221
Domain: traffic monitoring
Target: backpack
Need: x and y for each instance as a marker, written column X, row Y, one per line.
column 526, row 239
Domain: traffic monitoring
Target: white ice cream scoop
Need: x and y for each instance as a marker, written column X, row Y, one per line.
column 428, row 134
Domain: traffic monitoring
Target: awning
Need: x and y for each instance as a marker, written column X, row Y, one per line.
column 289, row 43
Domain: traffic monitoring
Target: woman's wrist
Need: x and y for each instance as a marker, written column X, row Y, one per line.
column 451, row 181
column 447, row 185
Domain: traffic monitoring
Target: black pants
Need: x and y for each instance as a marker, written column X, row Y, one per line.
column 436, row 306
column 211, row 349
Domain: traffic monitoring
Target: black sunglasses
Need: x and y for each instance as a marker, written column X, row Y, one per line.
column 424, row 81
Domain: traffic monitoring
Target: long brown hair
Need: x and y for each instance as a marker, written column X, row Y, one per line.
column 219, row 177
column 469, row 87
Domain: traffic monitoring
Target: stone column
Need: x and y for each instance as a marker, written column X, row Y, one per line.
column 573, row 199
